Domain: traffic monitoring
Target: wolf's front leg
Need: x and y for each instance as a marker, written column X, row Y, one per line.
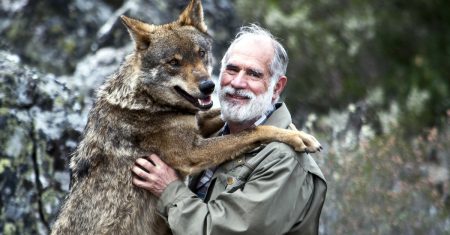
column 216, row 150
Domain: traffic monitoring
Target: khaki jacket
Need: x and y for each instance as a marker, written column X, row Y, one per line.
column 269, row 190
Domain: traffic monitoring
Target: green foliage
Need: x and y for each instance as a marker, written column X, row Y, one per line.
column 340, row 50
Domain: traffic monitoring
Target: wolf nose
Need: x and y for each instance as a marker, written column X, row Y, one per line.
column 206, row 87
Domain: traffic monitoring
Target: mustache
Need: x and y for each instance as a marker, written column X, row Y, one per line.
column 228, row 90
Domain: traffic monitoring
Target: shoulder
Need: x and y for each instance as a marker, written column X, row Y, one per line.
column 277, row 152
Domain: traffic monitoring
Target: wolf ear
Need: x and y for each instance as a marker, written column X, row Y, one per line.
column 193, row 15
column 139, row 31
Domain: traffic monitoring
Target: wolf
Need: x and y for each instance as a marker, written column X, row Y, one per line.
column 158, row 101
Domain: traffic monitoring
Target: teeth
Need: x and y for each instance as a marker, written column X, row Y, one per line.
column 205, row 101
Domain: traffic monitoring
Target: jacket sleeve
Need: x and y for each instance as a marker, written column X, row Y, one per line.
column 274, row 199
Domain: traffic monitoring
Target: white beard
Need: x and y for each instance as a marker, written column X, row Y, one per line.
column 257, row 104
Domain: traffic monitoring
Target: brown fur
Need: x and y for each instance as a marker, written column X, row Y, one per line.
column 138, row 111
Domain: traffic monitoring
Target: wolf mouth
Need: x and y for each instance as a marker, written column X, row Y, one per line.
column 204, row 102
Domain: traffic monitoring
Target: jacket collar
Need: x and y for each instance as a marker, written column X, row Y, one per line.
column 280, row 117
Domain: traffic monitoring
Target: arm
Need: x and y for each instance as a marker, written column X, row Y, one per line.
column 272, row 201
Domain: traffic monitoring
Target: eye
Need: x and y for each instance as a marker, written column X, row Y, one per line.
column 202, row 53
column 232, row 68
column 254, row 73
column 174, row 62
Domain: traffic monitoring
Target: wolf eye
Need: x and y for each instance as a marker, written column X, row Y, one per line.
column 202, row 53
column 174, row 62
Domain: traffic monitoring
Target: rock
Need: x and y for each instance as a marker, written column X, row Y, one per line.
column 53, row 34
column 40, row 125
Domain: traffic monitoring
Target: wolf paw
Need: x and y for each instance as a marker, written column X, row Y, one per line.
column 311, row 143
column 303, row 142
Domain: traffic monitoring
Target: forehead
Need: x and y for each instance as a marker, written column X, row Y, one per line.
column 179, row 40
column 252, row 53
column 181, row 36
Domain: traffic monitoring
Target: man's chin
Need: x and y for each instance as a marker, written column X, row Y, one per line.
column 236, row 113
column 243, row 110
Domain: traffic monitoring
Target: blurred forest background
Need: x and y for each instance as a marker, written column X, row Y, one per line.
column 370, row 79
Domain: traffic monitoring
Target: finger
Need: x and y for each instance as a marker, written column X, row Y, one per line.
column 144, row 163
column 141, row 183
column 140, row 173
column 157, row 161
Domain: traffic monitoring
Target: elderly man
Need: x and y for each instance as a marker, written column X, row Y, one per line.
column 269, row 190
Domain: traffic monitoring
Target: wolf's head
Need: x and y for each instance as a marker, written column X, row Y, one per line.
column 170, row 65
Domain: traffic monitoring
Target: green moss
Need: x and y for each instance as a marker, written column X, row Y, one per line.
column 4, row 163
column 9, row 229
column 56, row 29
column 69, row 45
column 4, row 111
column 59, row 102
column 15, row 31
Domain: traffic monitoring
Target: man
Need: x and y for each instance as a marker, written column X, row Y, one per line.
column 269, row 190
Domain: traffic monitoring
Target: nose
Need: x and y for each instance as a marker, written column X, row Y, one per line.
column 206, row 87
column 238, row 81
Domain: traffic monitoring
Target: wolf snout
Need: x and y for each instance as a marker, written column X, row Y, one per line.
column 206, row 87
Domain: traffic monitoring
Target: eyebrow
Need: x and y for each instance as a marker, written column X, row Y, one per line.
column 249, row 71
column 232, row 66
column 254, row 72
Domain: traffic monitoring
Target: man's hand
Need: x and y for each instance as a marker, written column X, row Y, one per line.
column 153, row 174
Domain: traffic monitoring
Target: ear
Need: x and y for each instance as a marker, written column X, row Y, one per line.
column 193, row 15
column 139, row 31
column 279, row 87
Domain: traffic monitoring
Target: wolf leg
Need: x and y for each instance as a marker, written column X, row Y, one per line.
column 213, row 151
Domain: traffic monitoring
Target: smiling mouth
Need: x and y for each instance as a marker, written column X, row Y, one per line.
column 237, row 97
column 204, row 102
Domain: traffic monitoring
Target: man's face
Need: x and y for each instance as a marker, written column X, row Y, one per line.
column 246, row 91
